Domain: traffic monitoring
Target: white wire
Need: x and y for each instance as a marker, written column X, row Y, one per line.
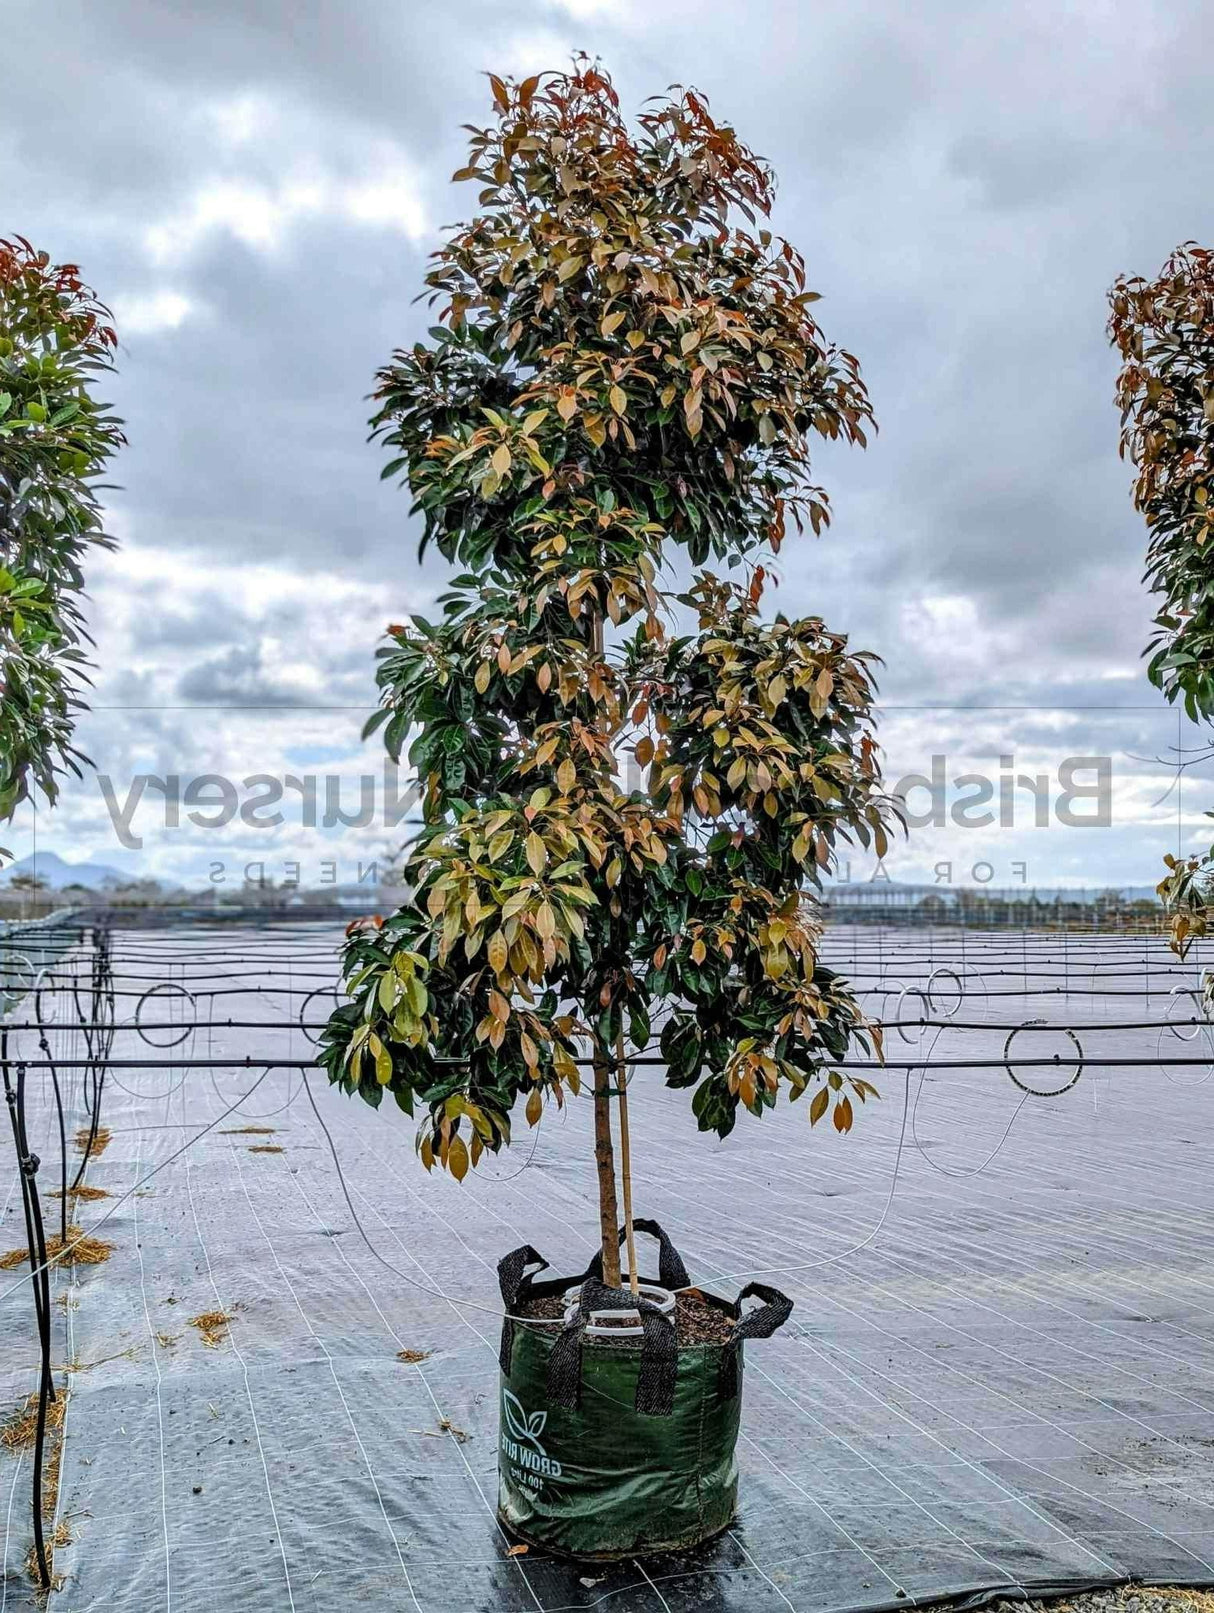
column 135, row 1186
column 729, row 1276
column 943, row 1169
column 845, row 1254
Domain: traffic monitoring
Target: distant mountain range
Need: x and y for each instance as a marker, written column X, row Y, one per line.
column 54, row 872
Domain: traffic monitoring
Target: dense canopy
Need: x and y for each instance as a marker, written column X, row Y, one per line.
column 1164, row 332
column 630, row 777
column 55, row 439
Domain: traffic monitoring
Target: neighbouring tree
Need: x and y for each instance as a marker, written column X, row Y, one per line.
column 1164, row 331
column 56, row 438
column 628, row 788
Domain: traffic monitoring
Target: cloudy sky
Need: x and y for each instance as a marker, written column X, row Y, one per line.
column 254, row 188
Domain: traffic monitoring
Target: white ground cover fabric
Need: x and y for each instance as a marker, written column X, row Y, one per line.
column 1011, row 1383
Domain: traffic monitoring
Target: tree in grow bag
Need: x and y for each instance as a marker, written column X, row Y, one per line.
column 55, row 439
column 1164, row 331
column 627, row 788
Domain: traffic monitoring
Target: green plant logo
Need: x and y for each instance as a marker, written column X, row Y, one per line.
column 521, row 1446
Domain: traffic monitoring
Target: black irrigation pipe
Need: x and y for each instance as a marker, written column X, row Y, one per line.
column 218, row 1025
column 1159, row 985
column 1061, row 1029
column 35, row 1237
column 273, row 1062
column 1020, row 1025
column 1003, row 957
column 98, row 1031
column 46, row 1053
column 154, row 955
column 1110, row 957
column 968, row 968
column 218, row 991
column 102, row 993
column 326, row 966
column 191, row 1025
column 864, row 991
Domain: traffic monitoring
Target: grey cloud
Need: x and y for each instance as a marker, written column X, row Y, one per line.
column 1036, row 169
column 211, row 620
column 964, row 180
column 236, row 678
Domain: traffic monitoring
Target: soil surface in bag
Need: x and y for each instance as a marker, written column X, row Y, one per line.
column 696, row 1322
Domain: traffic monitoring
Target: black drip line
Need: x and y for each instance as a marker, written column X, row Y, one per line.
column 96, row 1022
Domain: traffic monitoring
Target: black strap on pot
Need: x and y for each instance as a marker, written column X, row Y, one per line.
column 514, row 1278
column 658, row 1352
column 672, row 1273
column 759, row 1323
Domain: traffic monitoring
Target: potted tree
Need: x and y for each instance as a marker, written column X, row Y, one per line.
column 628, row 785
column 56, row 437
column 1163, row 330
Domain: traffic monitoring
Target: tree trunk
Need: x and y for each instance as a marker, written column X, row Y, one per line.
column 604, row 1158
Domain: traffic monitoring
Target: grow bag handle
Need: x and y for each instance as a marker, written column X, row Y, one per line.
column 672, row 1273
column 759, row 1323
column 514, row 1278
column 659, row 1355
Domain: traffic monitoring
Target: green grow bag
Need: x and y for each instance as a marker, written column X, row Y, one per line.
column 617, row 1450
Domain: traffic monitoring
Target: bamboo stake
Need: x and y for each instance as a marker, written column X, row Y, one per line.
column 604, row 1152
column 621, row 1077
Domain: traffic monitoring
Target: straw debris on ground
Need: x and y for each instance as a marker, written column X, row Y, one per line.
column 213, row 1326
column 446, row 1429
column 412, row 1357
column 83, row 1193
column 19, row 1434
column 248, row 1131
column 79, row 1249
column 61, row 1535
column 100, row 1142
column 1118, row 1599
column 19, row 1431
column 266, row 1148
column 131, row 1353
